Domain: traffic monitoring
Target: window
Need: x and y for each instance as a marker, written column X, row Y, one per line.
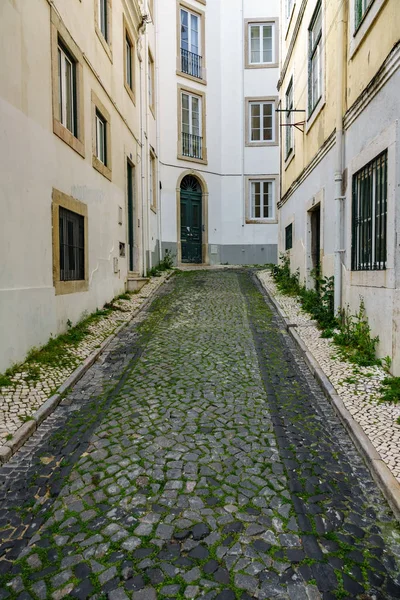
column 103, row 18
column 261, row 43
column 289, row 237
column 288, row 119
column 101, row 141
column 261, row 200
column 101, row 138
column 315, row 59
column 67, row 86
column 152, row 182
column 361, row 7
column 150, row 76
column 369, row 216
column 191, row 126
column 190, row 43
column 128, row 63
column 72, row 245
column 261, row 122
column 289, row 8
column 67, row 90
column 69, row 232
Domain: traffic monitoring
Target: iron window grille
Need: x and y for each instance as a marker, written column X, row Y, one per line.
column 289, row 237
column 72, row 245
column 315, row 59
column 191, row 63
column 369, row 216
column 192, row 145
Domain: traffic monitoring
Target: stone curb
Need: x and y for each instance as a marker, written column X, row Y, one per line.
column 381, row 473
column 24, row 432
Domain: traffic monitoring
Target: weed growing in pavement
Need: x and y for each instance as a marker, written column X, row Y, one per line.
column 317, row 302
column 165, row 264
column 354, row 338
column 390, row 391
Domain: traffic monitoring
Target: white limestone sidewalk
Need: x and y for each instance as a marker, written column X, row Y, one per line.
column 20, row 400
column 358, row 387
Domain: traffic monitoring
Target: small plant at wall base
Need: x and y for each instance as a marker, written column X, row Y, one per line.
column 390, row 391
column 165, row 264
column 354, row 338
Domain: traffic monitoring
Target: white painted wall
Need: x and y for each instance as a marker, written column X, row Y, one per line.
column 228, row 161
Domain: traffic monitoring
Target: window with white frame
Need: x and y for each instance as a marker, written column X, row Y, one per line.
column 128, row 62
column 261, row 43
column 150, row 76
column 191, row 126
column 315, row 59
column 190, row 43
column 103, row 18
column 101, row 138
column 289, row 137
column 261, row 127
column 289, row 8
column 262, row 199
column 361, row 7
column 67, row 90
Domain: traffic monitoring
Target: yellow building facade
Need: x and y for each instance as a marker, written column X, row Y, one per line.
column 339, row 203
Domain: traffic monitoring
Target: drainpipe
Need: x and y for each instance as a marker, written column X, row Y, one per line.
column 140, row 56
column 147, row 157
column 157, row 87
column 339, row 156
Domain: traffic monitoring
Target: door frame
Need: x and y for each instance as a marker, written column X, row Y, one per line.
column 317, row 202
column 204, row 215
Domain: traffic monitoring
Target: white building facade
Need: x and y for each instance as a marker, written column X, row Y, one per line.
column 78, row 162
column 219, row 136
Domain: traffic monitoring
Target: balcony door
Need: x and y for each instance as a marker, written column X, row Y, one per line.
column 191, row 126
column 191, row 221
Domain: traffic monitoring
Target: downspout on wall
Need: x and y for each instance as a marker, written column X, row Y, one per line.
column 341, row 68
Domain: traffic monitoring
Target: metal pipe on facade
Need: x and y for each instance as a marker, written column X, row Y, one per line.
column 339, row 155
column 139, row 51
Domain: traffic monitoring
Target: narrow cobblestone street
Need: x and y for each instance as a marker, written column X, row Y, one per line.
column 197, row 458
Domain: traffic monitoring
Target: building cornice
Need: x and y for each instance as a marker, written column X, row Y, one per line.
column 292, row 43
column 385, row 72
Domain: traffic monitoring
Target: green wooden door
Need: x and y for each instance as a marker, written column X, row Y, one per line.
column 191, row 225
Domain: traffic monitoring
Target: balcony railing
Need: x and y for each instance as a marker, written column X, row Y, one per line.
column 191, row 63
column 192, row 145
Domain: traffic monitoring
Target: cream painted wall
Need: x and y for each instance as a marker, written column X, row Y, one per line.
column 33, row 161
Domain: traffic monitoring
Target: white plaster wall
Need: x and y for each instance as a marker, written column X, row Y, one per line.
column 227, row 86
column 33, row 161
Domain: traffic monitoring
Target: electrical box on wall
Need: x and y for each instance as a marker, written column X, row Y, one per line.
column 116, row 264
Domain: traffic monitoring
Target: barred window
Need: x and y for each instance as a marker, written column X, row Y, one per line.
column 289, row 237
column 369, row 216
column 72, row 245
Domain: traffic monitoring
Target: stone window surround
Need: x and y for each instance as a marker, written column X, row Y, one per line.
column 262, row 20
column 248, row 101
column 275, row 187
column 105, row 170
column 107, row 44
column 59, row 31
column 128, row 34
column 356, row 36
column 59, row 199
column 386, row 140
column 202, row 96
column 202, row 16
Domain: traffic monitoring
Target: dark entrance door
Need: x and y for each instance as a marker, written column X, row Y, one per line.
column 191, row 225
column 316, row 242
column 131, row 241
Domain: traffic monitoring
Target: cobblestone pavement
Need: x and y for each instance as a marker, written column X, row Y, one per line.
column 197, row 458
column 358, row 387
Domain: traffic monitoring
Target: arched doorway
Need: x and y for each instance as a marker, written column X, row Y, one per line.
column 191, row 225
